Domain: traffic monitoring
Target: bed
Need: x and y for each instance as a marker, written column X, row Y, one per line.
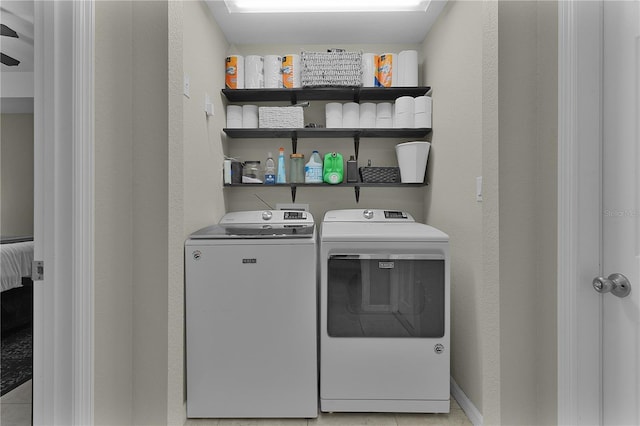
column 17, row 288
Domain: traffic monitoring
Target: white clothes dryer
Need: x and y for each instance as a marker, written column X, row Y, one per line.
column 251, row 316
column 384, row 313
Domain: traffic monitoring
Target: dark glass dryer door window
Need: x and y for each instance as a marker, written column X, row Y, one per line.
column 385, row 296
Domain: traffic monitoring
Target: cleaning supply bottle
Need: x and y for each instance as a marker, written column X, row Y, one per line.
column 333, row 168
column 313, row 169
column 282, row 174
column 352, row 169
column 270, row 171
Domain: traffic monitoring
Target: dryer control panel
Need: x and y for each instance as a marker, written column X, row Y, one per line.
column 367, row 215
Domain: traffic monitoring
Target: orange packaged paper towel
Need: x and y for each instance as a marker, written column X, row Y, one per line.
column 291, row 69
column 234, row 72
column 387, row 75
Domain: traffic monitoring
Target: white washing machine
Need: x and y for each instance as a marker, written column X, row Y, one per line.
column 384, row 313
column 251, row 316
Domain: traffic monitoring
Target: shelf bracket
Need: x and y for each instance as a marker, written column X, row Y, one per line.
column 293, row 193
column 356, row 145
column 294, row 143
column 357, row 191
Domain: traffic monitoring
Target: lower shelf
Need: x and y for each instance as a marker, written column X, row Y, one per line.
column 324, row 185
column 355, row 185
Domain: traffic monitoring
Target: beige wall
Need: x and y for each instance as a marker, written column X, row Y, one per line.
column 205, row 49
column 493, row 67
column 528, row 163
column 150, row 211
column 131, row 213
column 547, row 215
column 16, row 152
column 175, row 368
column 489, row 292
column 113, row 331
column 453, row 58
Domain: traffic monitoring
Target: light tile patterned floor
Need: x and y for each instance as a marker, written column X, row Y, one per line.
column 16, row 411
column 455, row 417
column 15, row 407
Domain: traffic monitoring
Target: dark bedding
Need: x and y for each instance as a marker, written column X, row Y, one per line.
column 17, row 306
column 17, row 302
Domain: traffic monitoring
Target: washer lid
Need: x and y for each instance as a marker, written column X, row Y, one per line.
column 255, row 231
column 268, row 217
column 260, row 224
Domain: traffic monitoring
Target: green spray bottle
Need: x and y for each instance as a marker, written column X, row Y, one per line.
column 333, row 168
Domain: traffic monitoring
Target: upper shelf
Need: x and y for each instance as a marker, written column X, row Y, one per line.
column 356, row 94
column 326, row 133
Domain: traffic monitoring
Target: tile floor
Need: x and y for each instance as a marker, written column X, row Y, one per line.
column 15, row 406
column 16, row 411
column 455, row 417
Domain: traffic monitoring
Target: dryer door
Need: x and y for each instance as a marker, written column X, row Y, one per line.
column 381, row 295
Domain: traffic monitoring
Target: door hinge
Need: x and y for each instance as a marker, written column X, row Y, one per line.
column 37, row 270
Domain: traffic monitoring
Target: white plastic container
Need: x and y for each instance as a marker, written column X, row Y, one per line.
column 412, row 159
column 313, row 169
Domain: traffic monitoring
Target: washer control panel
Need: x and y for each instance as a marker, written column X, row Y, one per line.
column 295, row 215
column 395, row 214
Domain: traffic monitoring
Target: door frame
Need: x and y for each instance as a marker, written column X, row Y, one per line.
column 63, row 373
column 580, row 53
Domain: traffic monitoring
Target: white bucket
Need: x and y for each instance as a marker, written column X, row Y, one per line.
column 412, row 159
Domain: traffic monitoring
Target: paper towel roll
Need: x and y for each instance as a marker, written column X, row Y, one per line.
column 408, row 68
column 250, row 116
column 254, row 72
column 384, row 115
column 369, row 69
column 273, row 72
column 234, row 72
column 291, row 68
column 368, row 115
column 403, row 116
column 351, row 115
column 422, row 111
column 387, row 74
column 234, row 116
column 333, row 112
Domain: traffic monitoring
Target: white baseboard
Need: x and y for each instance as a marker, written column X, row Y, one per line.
column 465, row 403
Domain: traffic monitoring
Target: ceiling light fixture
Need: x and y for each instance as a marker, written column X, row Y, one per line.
column 297, row 6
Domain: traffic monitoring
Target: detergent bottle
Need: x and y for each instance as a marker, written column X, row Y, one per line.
column 333, row 168
column 313, row 169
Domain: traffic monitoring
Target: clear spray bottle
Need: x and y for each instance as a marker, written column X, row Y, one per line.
column 282, row 174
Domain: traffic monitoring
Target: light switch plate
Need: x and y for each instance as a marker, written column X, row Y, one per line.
column 208, row 105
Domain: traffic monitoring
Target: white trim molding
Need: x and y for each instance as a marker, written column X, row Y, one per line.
column 567, row 207
column 83, row 211
column 465, row 403
column 579, row 207
column 63, row 213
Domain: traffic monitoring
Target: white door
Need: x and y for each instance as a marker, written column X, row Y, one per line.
column 621, row 212
column 599, row 211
